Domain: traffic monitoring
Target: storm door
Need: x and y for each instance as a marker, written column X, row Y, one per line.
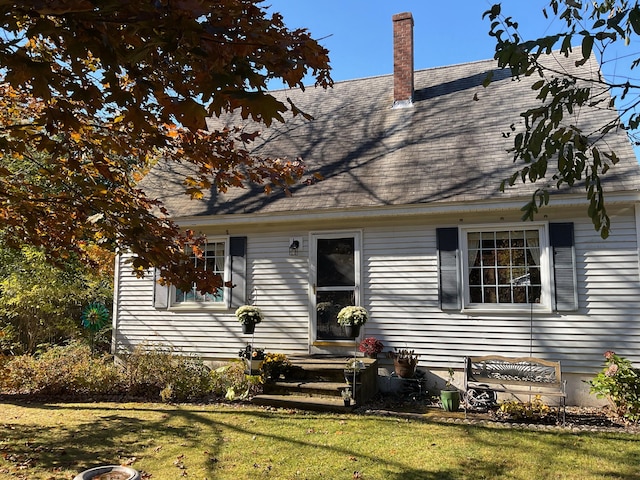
column 335, row 281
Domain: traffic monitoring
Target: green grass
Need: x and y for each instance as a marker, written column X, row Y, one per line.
column 224, row 442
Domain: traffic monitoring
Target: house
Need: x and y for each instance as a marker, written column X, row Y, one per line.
column 407, row 221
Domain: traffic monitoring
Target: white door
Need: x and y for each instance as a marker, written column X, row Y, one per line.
column 335, row 282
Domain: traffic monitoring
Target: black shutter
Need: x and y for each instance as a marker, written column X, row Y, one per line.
column 238, row 254
column 564, row 266
column 449, row 268
column 160, row 292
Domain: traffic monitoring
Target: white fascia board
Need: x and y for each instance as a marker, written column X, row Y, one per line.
column 399, row 210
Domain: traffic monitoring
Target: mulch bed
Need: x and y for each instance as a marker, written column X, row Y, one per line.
column 590, row 419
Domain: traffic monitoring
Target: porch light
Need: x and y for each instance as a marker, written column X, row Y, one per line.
column 293, row 248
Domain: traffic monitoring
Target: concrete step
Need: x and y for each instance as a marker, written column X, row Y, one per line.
column 304, row 387
column 302, row 402
column 316, row 383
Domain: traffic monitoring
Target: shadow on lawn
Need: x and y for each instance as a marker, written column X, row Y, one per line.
column 117, row 432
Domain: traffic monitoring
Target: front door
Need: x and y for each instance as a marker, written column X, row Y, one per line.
column 335, row 282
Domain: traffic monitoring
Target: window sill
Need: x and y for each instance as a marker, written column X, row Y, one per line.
column 198, row 307
column 506, row 309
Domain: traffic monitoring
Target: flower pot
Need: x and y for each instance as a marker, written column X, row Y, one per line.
column 109, row 472
column 450, row 400
column 249, row 327
column 352, row 331
column 347, row 402
column 404, row 368
column 252, row 367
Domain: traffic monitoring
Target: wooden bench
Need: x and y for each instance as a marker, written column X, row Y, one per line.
column 516, row 376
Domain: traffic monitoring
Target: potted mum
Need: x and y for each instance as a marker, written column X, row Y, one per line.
column 351, row 318
column 249, row 316
column 371, row 347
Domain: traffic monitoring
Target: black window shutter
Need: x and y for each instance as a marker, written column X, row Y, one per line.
column 160, row 292
column 238, row 254
column 448, row 262
column 564, row 266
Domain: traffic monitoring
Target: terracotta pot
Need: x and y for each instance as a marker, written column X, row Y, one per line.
column 404, row 368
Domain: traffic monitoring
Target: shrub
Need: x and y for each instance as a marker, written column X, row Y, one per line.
column 154, row 373
column 619, row 383
column 158, row 371
column 62, row 370
column 230, row 381
column 534, row 409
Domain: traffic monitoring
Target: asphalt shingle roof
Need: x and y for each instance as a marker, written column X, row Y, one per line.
column 446, row 148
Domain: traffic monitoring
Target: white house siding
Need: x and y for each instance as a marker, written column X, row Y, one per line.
column 400, row 288
column 276, row 280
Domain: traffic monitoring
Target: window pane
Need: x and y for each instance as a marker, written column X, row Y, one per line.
column 489, row 276
column 213, row 260
column 328, row 305
column 488, row 258
column 533, row 256
column 490, row 295
column 504, row 295
column 475, row 293
column 475, row 277
column 520, row 295
column 336, row 264
column 504, row 276
column 504, row 266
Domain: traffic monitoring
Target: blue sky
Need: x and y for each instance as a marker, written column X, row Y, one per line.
column 358, row 33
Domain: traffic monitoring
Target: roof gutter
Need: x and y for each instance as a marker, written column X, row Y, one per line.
column 457, row 208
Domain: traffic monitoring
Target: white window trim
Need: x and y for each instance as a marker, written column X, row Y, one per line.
column 195, row 306
column 546, row 276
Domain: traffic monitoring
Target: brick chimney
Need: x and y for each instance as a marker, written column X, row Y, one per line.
column 402, row 59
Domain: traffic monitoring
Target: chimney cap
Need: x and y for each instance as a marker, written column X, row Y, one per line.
column 402, row 16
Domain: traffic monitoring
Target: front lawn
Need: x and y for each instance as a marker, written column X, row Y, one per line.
column 165, row 442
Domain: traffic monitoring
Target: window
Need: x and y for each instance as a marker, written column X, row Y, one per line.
column 224, row 256
column 214, row 258
column 503, row 266
column 507, row 268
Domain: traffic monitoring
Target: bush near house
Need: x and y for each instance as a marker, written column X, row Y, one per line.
column 619, row 382
column 153, row 373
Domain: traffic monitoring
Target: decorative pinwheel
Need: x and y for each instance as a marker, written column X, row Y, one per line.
column 94, row 316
